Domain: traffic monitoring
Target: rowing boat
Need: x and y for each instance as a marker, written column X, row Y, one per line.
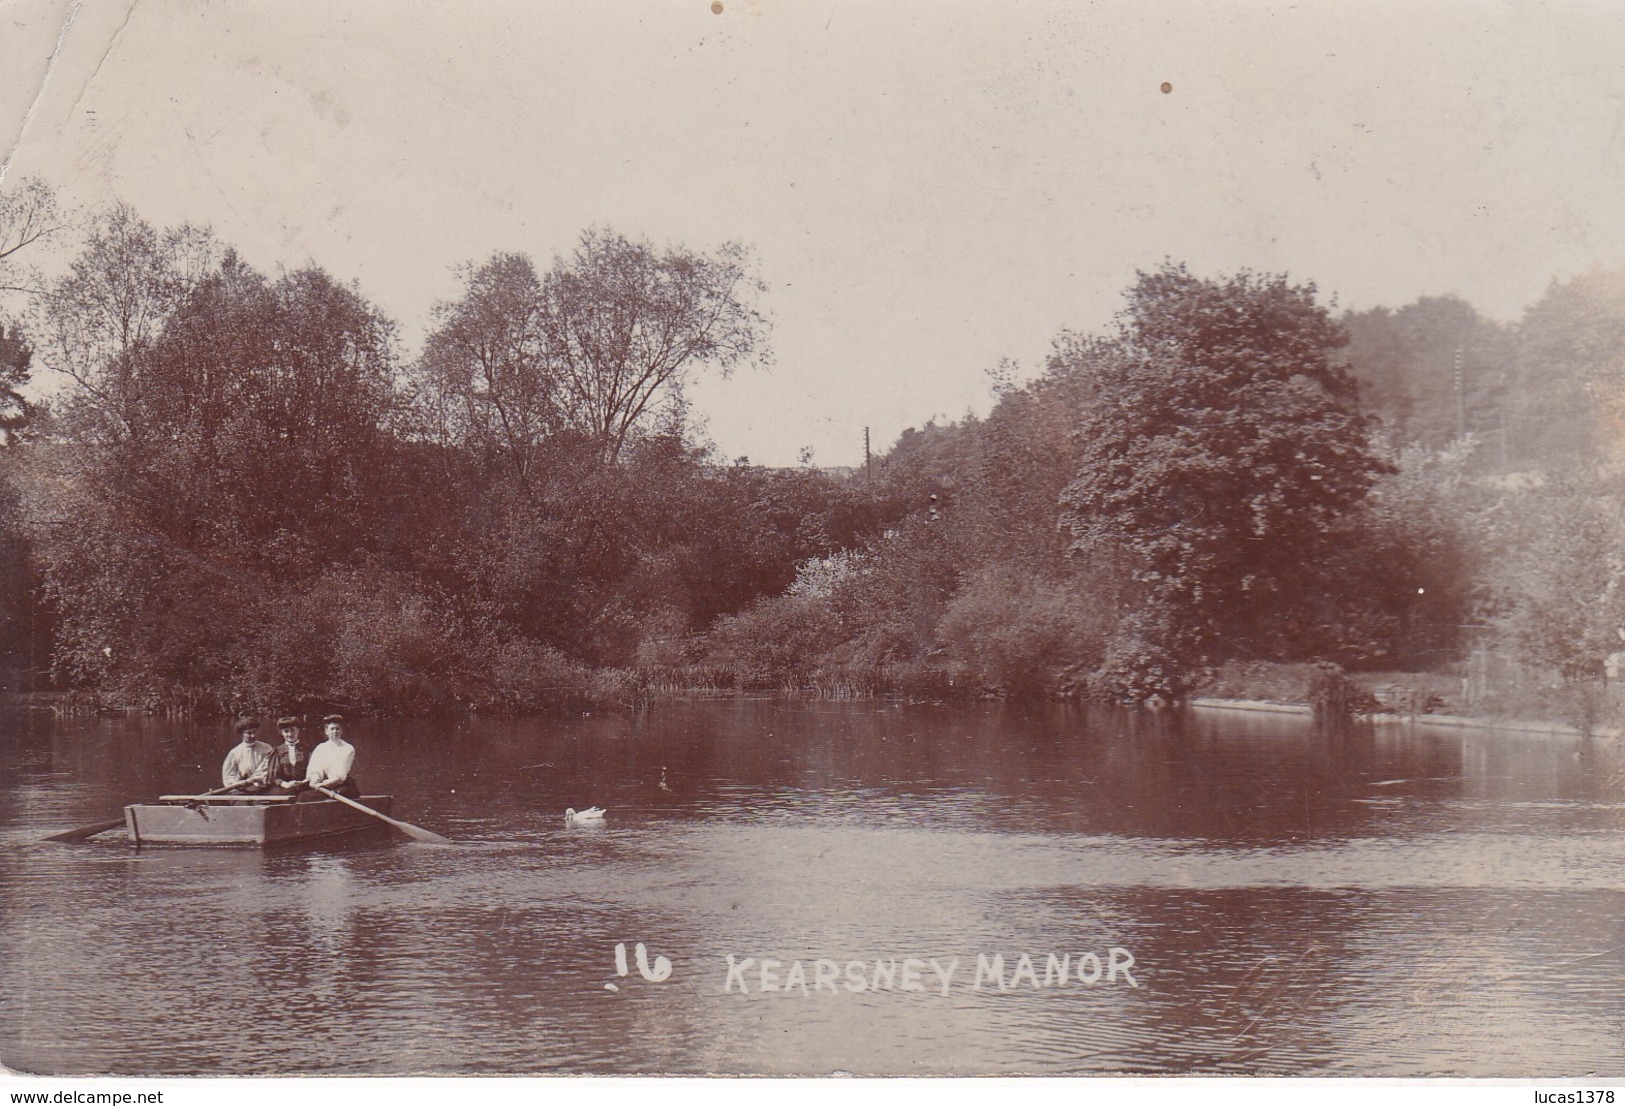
column 245, row 819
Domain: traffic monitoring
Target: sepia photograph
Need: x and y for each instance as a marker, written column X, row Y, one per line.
column 802, row 538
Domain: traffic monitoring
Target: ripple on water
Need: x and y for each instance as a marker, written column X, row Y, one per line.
column 1398, row 908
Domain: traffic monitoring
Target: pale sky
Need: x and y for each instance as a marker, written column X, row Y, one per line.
column 928, row 187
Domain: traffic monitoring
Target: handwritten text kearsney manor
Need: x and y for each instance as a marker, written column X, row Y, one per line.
column 758, row 975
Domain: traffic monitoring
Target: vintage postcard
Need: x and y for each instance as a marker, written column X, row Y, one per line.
column 806, row 538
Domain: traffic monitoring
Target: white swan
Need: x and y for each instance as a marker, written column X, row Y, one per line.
column 593, row 816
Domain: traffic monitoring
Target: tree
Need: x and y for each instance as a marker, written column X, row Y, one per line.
column 601, row 347
column 627, row 325
column 1555, row 583
column 207, row 475
column 25, row 622
column 260, row 415
column 1221, row 448
column 486, row 381
column 1567, row 403
column 1434, row 370
column 1399, row 588
column 27, row 214
column 14, row 375
column 116, row 297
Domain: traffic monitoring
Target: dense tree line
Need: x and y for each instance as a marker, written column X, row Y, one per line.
column 1163, row 497
column 249, row 494
column 1231, row 474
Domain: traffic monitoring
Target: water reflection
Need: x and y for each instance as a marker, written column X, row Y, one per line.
column 1388, row 901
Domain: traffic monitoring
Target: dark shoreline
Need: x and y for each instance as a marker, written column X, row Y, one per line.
column 55, row 701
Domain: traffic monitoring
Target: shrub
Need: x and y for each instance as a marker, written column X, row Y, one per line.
column 521, row 674
column 393, row 643
column 1017, row 635
column 775, row 642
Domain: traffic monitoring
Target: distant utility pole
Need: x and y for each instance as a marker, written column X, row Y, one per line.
column 868, row 467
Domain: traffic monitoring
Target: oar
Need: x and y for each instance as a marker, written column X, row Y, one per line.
column 234, row 786
column 84, row 832
column 417, row 833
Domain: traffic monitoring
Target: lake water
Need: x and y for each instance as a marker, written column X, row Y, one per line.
column 1402, row 901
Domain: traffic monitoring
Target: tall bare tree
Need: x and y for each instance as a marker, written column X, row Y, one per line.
column 485, row 379
column 115, row 298
column 628, row 325
column 28, row 213
column 601, row 347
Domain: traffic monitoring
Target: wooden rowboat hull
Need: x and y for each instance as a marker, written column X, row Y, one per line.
column 248, row 823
